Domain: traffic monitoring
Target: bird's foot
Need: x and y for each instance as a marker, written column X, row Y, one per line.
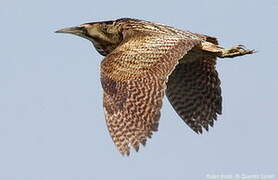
column 238, row 50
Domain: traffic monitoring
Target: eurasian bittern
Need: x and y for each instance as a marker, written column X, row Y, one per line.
column 145, row 60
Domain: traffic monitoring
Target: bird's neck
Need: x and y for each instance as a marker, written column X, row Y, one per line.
column 106, row 45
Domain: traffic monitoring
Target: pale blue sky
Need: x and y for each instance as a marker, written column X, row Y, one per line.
column 52, row 125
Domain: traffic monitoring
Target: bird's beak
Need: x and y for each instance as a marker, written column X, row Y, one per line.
column 77, row 30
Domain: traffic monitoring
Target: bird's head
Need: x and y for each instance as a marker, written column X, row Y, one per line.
column 105, row 35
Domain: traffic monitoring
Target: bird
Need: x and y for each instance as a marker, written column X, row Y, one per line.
column 145, row 61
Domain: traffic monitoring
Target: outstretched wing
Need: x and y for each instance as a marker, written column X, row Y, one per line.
column 194, row 91
column 134, row 79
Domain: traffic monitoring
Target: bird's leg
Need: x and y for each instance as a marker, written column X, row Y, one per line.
column 234, row 51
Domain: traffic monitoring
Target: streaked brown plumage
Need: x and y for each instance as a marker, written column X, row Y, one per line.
column 145, row 60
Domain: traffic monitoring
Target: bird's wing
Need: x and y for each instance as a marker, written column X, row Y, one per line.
column 194, row 91
column 134, row 79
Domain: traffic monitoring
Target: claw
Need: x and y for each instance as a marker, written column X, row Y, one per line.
column 238, row 50
column 242, row 46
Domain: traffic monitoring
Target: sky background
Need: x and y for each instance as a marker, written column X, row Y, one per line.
column 52, row 125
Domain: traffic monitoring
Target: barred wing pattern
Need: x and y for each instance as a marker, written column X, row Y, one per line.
column 194, row 91
column 134, row 79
